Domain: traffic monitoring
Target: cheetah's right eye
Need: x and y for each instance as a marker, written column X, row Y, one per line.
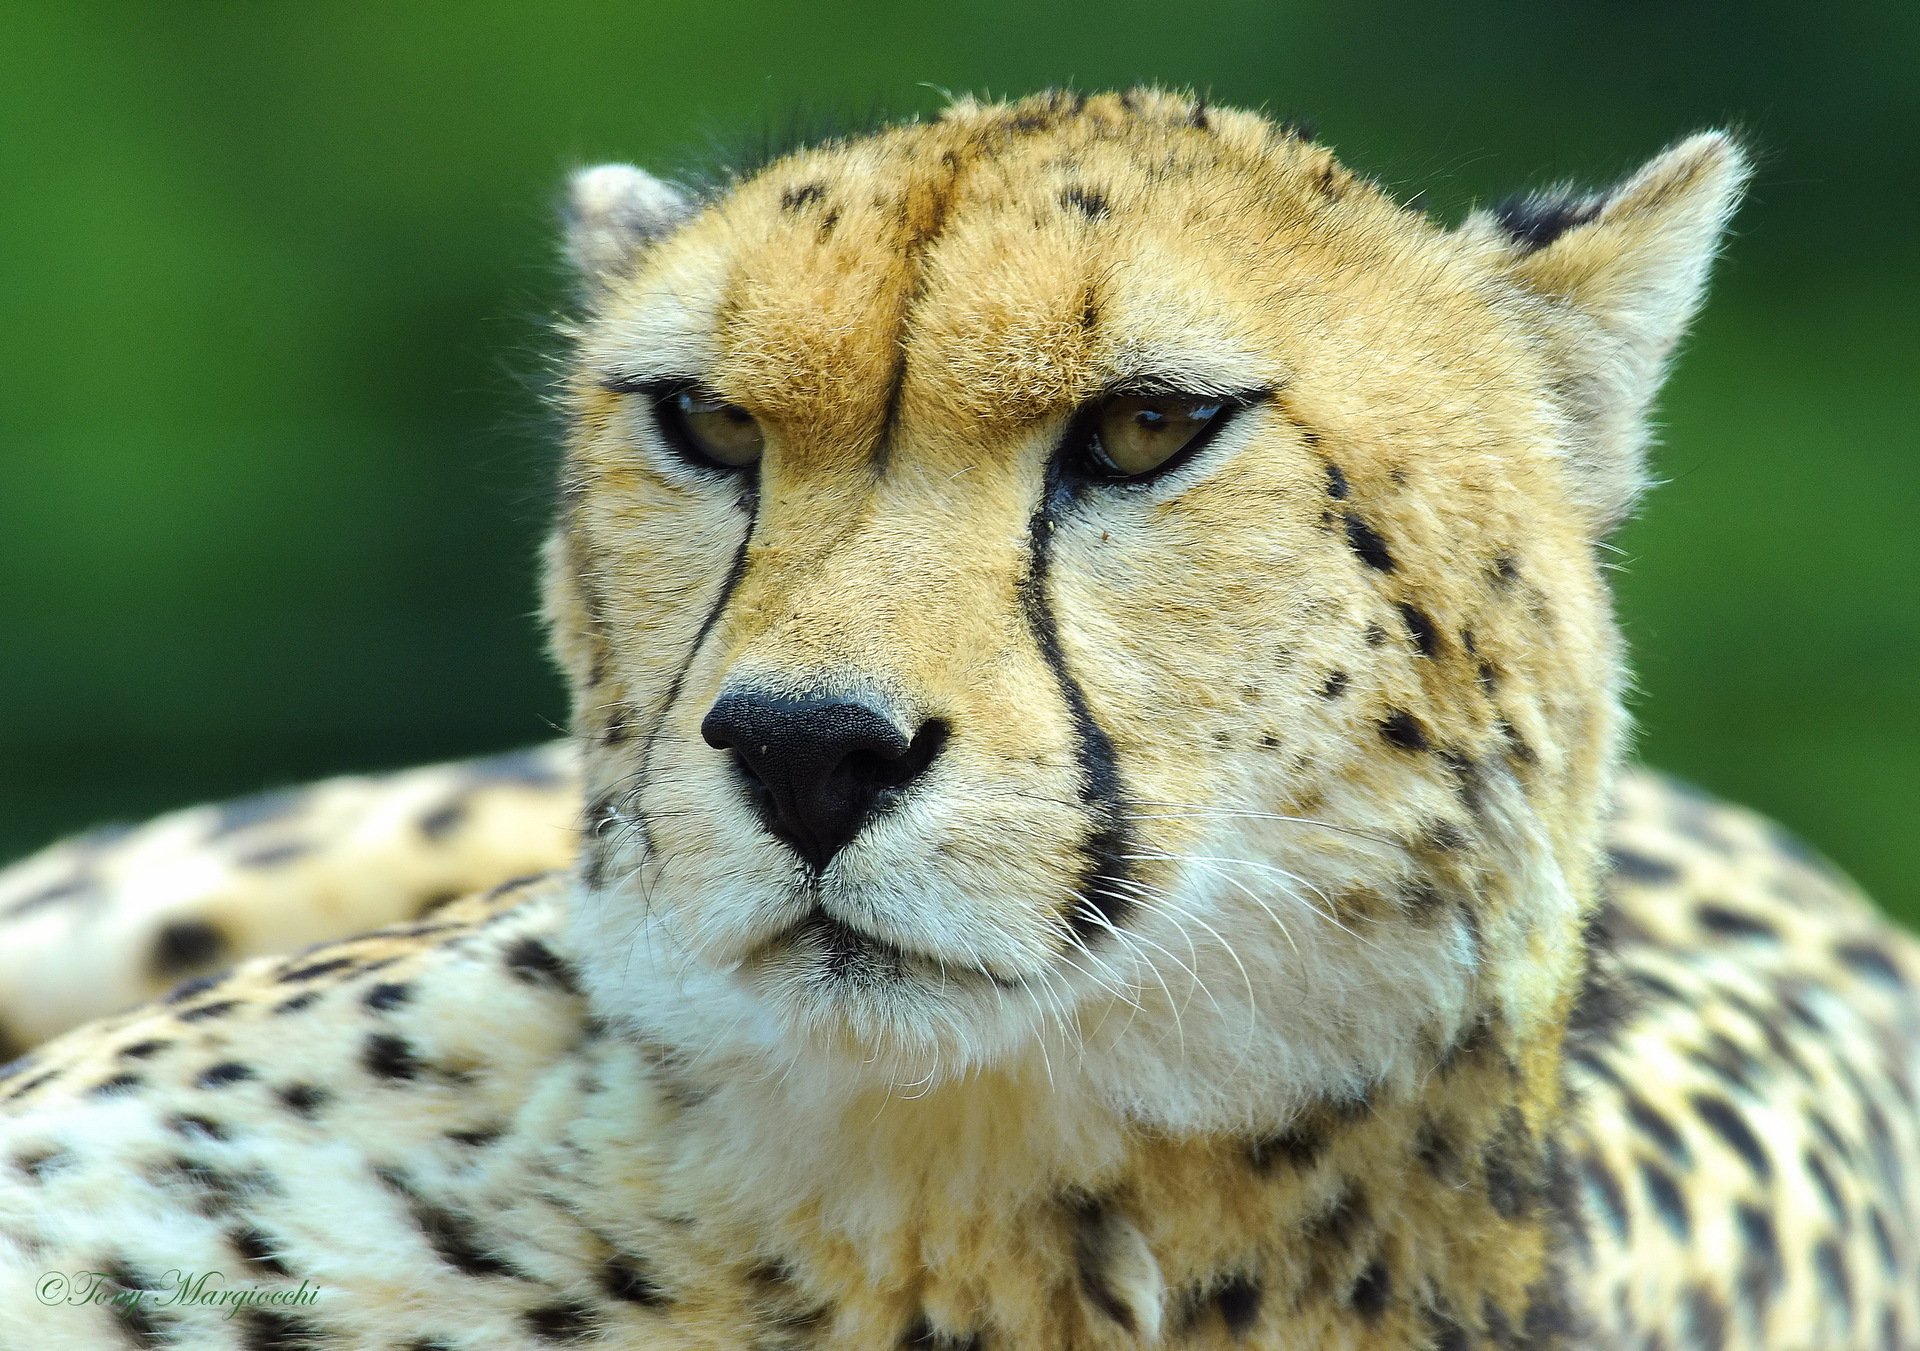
column 707, row 429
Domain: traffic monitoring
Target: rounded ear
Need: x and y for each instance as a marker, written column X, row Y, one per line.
column 1620, row 274
column 613, row 212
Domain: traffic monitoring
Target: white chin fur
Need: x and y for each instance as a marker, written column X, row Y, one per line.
column 1165, row 1021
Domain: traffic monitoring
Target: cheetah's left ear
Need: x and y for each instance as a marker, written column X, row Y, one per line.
column 613, row 212
column 1620, row 274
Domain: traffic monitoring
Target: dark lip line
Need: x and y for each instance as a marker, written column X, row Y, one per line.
column 843, row 936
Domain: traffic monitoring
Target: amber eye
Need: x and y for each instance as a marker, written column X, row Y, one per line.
column 1132, row 435
column 705, row 428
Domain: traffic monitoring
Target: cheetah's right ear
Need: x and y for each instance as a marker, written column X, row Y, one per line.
column 613, row 212
column 1620, row 274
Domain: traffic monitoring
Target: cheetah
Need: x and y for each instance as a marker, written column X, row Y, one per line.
column 1097, row 747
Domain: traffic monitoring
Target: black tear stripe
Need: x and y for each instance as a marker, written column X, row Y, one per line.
column 735, row 571
column 1104, row 880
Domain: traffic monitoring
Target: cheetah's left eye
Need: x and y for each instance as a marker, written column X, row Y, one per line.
column 1130, row 436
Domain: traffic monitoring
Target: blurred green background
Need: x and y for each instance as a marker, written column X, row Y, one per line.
column 276, row 280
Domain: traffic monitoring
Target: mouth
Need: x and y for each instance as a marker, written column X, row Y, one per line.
column 847, row 954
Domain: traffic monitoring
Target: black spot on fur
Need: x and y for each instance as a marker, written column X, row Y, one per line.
column 454, row 1237
column 194, row 1126
column 1420, row 627
column 921, row 1334
column 258, row 1251
column 534, row 962
column 187, row 989
column 1505, row 571
column 564, row 1322
column 1641, row 869
column 1657, row 1128
column 443, row 820
column 1346, row 1216
column 627, row 1278
column 295, row 1003
column 1727, row 1122
column 387, row 995
column 119, row 1083
column 1337, row 486
column 225, row 1073
column 1444, row 1332
column 1667, row 1200
column 35, row 1164
column 1335, row 685
column 1239, row 1304
column 1299, row 1147
column 1093, row 1231
column 273, row 855
column 185, row 945
column 1402, row 730
column 1372, row 1291
column 1831, row 1266
column 1363, row 540
column 1761, row 1269
column 270, row 1330
column 478, row 1138
column 1087, row 202
column 1872, row 962
column 1719, row 919
column 314, row 970
column 218, row 1008
column 1829, row 1188
column 389, row 1057
column 1605, row 1189
column 794, row 198
column 1535, row 220
column 303, row 1099
column 1512, row 1168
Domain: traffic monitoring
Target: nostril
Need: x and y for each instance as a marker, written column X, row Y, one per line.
column 896, row 769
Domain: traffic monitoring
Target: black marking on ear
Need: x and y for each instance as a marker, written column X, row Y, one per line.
column 1365, row 541
column 186, row 945
column 1086, row 201
column 794, row 198
column 1105, row 875
column 1535, row 220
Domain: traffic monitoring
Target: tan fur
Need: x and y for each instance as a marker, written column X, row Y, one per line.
column 1320, row 1062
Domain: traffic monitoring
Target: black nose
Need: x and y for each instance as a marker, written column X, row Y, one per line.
column 819, row 765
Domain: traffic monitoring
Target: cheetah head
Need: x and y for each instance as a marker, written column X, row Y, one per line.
column 1093, row 579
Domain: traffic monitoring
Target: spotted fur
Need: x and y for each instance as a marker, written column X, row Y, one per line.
column 1273, row 953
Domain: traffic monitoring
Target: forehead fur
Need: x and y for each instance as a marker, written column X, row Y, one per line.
column 1006, row 261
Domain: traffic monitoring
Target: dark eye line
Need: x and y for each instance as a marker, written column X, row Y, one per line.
column 657, row 386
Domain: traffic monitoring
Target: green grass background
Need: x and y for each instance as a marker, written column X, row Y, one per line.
column 274, row 281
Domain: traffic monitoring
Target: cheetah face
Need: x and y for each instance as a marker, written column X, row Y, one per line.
column 1084, row 580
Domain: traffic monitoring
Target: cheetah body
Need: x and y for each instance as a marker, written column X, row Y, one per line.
column 1273, row 954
